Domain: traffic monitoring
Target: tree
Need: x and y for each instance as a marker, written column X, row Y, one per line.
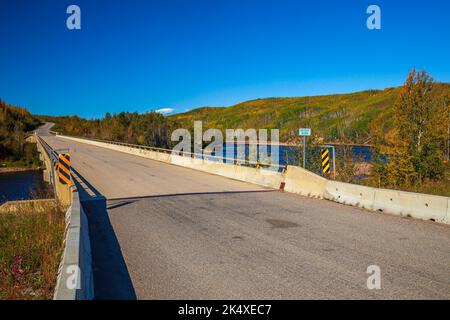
column 399, row 168
column 447, row 148
column 421, row 119
column 415, row 147
column 15, row 122
column 379, row 172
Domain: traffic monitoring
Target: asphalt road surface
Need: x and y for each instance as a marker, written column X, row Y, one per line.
column 174, row 233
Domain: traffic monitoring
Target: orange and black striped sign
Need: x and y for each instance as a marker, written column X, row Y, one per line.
column 326, row 161
column 64, row 168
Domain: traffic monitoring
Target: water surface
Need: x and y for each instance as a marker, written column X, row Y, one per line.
column 23, row 186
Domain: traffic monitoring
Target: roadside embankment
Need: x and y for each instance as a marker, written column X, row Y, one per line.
column 31, row 245
column 17, row 169
column 39, row 205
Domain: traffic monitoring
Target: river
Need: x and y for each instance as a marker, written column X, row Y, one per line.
column 292, row 155
column 23, row 186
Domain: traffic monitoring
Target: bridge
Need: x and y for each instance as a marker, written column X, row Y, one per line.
column 164, row 231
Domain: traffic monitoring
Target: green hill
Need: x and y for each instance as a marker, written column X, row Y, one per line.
column 334, row 118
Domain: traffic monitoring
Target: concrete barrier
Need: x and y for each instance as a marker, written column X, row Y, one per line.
column 304, row 182
column 351, row 194
column 447, row 219
column 416, row 205
column 75, row 275
column 402, row 203
column 263, row 177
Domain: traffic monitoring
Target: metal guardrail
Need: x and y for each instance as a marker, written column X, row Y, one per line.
column 52, row 156
column 47, row 148
column 54, row 160
column 186, row 154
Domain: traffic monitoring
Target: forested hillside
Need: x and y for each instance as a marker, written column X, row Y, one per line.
column 15, row 122
column 333, row 118
column 342, row 118
column 151, row 129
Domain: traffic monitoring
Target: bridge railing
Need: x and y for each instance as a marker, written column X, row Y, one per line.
column 235, row 161
column 51, row 159
column 75, row 277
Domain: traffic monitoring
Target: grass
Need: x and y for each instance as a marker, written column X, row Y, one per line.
column 21, row 164
column 31, row 243
column 436, row 188
column 440, row 188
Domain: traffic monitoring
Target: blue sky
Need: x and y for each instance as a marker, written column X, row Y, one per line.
column 145, row 55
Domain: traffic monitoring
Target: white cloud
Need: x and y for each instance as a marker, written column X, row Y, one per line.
column 165, row 110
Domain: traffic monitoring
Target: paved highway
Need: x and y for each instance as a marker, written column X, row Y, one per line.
column 173, row 233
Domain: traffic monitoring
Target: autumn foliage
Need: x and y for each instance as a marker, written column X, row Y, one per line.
column 15, row 124
column 415, row 149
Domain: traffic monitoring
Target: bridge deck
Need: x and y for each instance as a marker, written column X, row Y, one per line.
column 185, row 234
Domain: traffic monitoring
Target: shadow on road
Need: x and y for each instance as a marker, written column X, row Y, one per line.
column 129, row 200
column 111, row 277
column 112, row 204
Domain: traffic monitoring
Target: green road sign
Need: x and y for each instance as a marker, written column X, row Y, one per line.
column 306, row 132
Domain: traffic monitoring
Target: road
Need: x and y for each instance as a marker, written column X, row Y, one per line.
column 175, row 233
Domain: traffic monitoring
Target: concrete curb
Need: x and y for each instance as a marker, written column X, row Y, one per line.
column 75, row 276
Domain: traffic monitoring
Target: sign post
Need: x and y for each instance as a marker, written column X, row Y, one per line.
column 304, row 132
